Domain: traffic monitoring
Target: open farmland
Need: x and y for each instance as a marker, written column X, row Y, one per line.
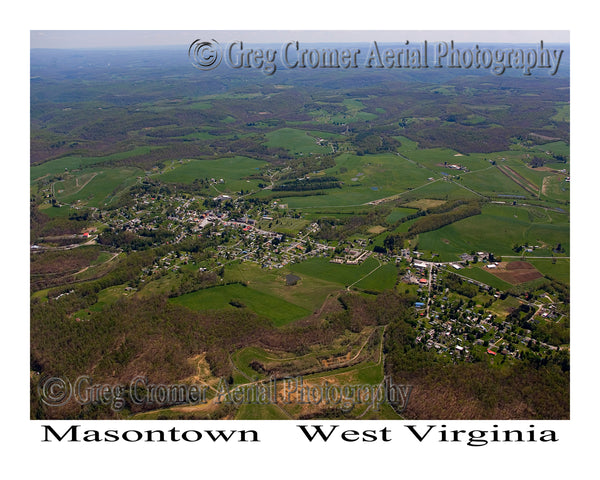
column 516, row 272
column 297, row 142
column 334, row 225
column 231, row 170
column 96, row 188
column 498, row 229
column 239, row 296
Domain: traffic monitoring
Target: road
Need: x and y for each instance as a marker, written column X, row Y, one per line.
column 429, row 290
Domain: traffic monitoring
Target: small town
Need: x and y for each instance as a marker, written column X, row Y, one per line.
column 447, row 321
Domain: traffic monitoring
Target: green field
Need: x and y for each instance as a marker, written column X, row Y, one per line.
column 557, row 188
column 398, row 213
column 57, row 212
column 381, row 279
column 563, row 113
column 497, row 230
column 322, row 268
column 231, row 170
column 434, row 158
column 558, row 269
column 480, row 274
column 61, row 165
column 96, row 188
column 277, row 310
column 297, row 142
column 366, row 178
column 492, row 182
column 336, row 212
column 418, row 174
column 260, row 412
column 439, row 190
column 309, row 293
column 352, row 114
column 558, row 148
column 107, row 296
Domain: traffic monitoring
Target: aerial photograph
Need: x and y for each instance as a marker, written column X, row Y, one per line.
column 295, row 225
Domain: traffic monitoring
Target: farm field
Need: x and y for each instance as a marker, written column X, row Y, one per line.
column 340, row 213
column 231, row 170
column 342, row 274
column 309, row 293
column 557, row 268
column 516, row 272
column 352, row 113
column 492, row 182
column 366, row 178
column 398, row 213
column 62, row 165
column 96, row 188
column 497, row 230
column 222, row 297
column 481, row 274
column 382, row 279
column 297, row 142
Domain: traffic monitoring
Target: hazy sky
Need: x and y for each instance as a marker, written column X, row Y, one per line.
column 137, row 38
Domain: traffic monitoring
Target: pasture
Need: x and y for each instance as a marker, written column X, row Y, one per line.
column 96, row 188
column 279, row 311
column 67, row 164
column 498, row 229
column 231, row 169
column 398, row 213
column 297, row 142
column 382, row 278
column 309, row 293
column 555, row 268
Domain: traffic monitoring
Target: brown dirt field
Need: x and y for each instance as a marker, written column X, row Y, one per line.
column 377, row 229
column 516, row 272
column 543, row 169
column 544, row 137
column 424, row 203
